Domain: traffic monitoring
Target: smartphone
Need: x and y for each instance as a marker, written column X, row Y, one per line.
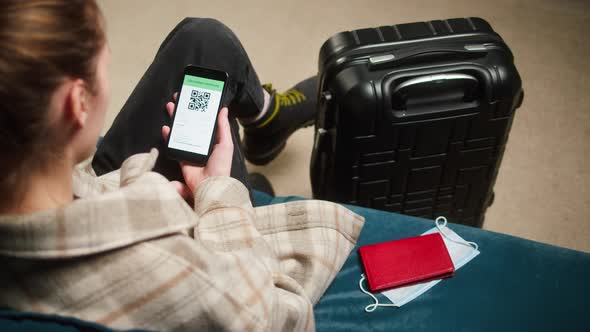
column 194, row 122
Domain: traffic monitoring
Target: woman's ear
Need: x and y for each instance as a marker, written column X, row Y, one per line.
column 76, row 107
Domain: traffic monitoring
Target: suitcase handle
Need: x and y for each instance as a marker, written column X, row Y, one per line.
column 378, row 61
column 433, row 93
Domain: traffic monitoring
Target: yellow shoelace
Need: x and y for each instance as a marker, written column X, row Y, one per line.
column 290, row 97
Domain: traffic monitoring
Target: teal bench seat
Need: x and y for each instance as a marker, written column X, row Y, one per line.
column 513, row 285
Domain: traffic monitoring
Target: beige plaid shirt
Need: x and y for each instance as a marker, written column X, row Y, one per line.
column 131, row 253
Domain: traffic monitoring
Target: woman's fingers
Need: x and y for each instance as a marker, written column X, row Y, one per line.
column 165, row 132
column 170, row 108
column 171, row 104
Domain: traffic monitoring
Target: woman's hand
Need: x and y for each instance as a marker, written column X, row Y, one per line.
column 219, row 163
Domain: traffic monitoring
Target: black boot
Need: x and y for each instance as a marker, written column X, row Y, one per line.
column 265, row 138
column 261, row 183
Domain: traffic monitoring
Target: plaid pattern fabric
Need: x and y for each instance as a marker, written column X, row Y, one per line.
column 130, row 253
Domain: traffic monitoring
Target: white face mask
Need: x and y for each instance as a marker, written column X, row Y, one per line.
column 461, row 253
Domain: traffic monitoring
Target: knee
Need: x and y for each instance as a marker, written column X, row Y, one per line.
column 205, row 27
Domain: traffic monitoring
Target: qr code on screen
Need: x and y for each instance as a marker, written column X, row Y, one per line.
column 199, row 101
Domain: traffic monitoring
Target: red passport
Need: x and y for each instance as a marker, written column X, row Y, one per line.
column 406, row 261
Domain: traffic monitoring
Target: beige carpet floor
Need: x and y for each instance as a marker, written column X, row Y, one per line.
column 542, row 192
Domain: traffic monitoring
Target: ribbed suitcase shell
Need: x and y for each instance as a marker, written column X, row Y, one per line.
column 442, row 160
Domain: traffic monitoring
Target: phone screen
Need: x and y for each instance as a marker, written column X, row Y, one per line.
column 196, row 113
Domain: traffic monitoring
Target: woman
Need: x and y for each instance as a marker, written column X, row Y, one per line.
column 125, row 249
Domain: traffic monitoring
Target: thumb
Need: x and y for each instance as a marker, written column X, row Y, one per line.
column 224, row 136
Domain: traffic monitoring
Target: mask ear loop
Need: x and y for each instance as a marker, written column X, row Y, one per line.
column 372, row 307
column 441, row 222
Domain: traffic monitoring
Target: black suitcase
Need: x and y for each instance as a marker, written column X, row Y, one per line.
column 414, row 118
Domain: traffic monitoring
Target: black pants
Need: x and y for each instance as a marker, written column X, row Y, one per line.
column 137, row 127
